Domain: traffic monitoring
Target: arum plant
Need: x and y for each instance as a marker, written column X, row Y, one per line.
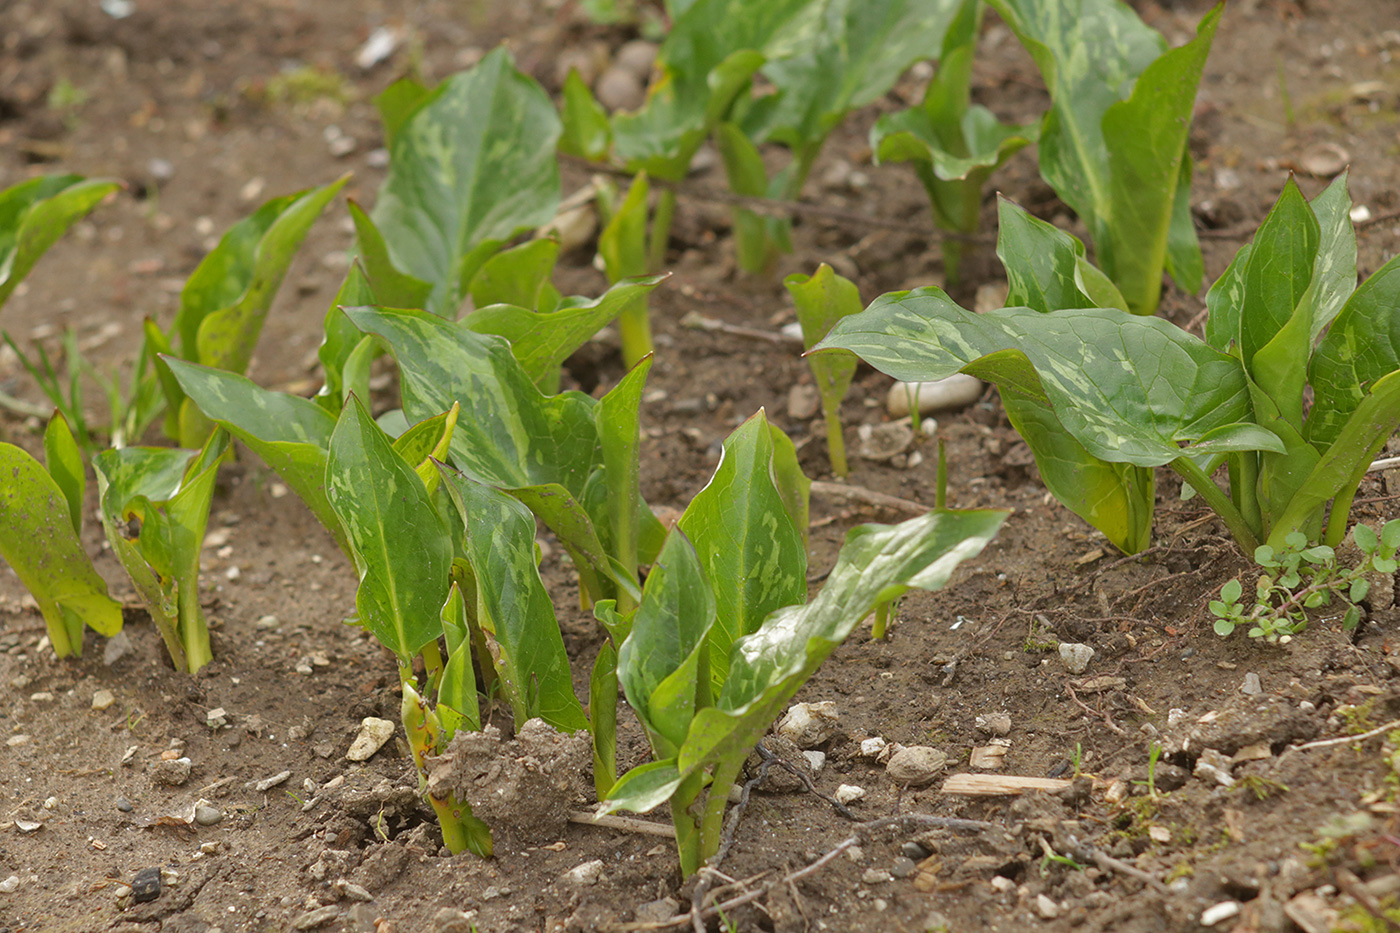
column 1114, row 142
column 440, row 556
column 1099, row 390
column 226, row 299
column 724, row 637
column 824, row 60
column 822, row 300
column 34, row 214
column 155, row 508
column 953, row 145
column 471, row 165
column 41, row 519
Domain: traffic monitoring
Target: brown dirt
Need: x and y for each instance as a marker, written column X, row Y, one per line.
column 185, row 82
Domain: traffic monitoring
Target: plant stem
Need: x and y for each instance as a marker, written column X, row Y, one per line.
column 1244, row 536
column 634, row 326
column 882, row 620
column 940, row 495
column 661, row 229
column 1341, row 512
column 836, row 441
column 688, row 834
column 725, row 774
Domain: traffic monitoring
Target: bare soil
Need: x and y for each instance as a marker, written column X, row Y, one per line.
column 176, row 101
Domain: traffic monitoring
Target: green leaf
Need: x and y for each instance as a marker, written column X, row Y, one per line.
column 1224, row 627
column 1114, row 142
column 291, row 435
column 508, row 435
column 64, row 462
column 1129, row 389
column 1045, row 267
column 752, row 552
column 40, row 544
column 586, row 131
column 472, row 166
column 645, row 787
column 457, row 691
column 663, row 665
column 519, row 276
column 401, row 546
column 227, row 297
column 34, row 214
column 623, row 241
column 513, row 607
column 602, row 715
column 1231, row 591
column 388, row 285
column 619, row 432
column 396, row 103
column 876, row 564
column 1365, row 538
column 743, row 166
column 340, row 337
column 542, row 342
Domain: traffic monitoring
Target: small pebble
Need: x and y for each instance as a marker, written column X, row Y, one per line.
column 9, row 885
column 808, row 725
column 315, row 918
column 803, row 402
column 123, row 805
column 637, row 56
column 855, row 854
column 885, row 441
column 1047, row 908
column 871, row 748
column 1076, row 657
column 997, row 723
column 146, row 885
column 849, row 793
column 619, row 89
column 1251, row 686
column 102, row 699
column 903, row 867
column 373, row 734
column 451, row 920
column 586, row 874
column 957, row 391
column 43, row 696
column 916, row 765
column 15, row 741
column 353, row 891
column 206, row 814
column 266, row 623
column 658, row 911
column 816, row 759
column 913, row 851
column 1218, row 912
column 876, row 876
column 271, row 782
column 172, row 772
column 28, row 826
column 116, row 648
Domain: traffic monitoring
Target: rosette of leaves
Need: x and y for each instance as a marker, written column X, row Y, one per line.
column 1103, row 396
column 1114, row 142
column 953, row 145
column 724, row 636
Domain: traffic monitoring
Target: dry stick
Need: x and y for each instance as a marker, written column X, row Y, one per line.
column 867, row 497
column 697, row 321
column 1107, row 719
column 1109, row 863
column 1343, row 740
column 627, row 824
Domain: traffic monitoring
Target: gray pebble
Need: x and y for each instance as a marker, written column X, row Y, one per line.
column 1251, row 686
column 619, row 89
column 657, row 911
column 172, row 772
column 916, row 765
column 903, row 867
column 207, row 814
column 912, row 850
column 316, row 918
column 124, row 805
column 1076, row 657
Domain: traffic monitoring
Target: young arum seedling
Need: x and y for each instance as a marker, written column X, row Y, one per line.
column 1114, row 143
column 953, row 145
column 35, row 213
column 155, row 508
column 1103, row 396
column 723, row 636
column 41, row 515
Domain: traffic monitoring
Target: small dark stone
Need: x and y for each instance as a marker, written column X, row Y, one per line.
column 124, row 805
column 146, row 885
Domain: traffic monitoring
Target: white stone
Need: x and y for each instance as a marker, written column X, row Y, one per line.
column 849, row 793
column 816, row 759
column 102, row 699
column 1046, row 907
column 1218, row 912
column 871, row 748
column 585, row 874
column 808, row 725
column 957, row 391
column 1076, row 657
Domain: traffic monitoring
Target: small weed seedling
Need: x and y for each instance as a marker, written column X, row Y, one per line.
column 1297, row 578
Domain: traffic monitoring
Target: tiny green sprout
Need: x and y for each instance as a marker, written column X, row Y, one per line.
column 1077, row 759
column 1054, row 858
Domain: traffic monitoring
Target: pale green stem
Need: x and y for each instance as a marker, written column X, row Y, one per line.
column 1341, row 512
column 725, row 774
column 661, row 229
column 882, row 620
column 1217, row 500
column 835, row 441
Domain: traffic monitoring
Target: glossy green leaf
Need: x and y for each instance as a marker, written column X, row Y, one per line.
column 401, row 546
column 645, row 787
column 34, row 214
column 663, row 665
column 514, row 608
column 821, row 300
column 586, row 131
column 877, row 563
column 290, row 434
column 602, row 718
column 1129, row 389
column 619, row 431
column 519, row 276
column 227, row 297
column 751, row 550
column 543, row 341
column 389, row 286
column 1045, row 267
column 1113, row 145
column 396, row 103
column 469, row 168
column 457, row 691
column 64, row 463
column 39, row 542
column 509, row 435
